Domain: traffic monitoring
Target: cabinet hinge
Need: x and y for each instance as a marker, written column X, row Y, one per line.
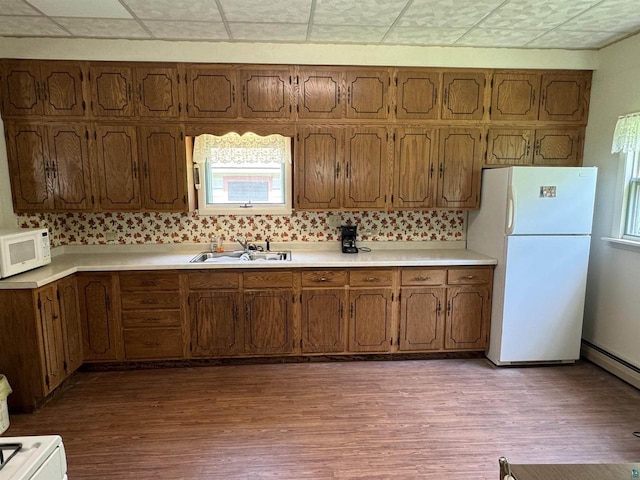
column 108, row 302
column 300, row 343
column 185, row 78
column 392, row 297
column 179, row 107
column 89, row 76
column 300, row 297
column 298, row 199
column 39, row 304
column 84, row 105
column 178, row 78
column 95, row 135
column 290, row 80
column 290, row 109
column 391, row 198
column 293, row 299
column 93, row 200
column 46, row 380
column 181, row 135
column 489, row 110
column 399, row 296
column 389, row 81
column 64, row 365
column 395, row 109
column 298, row 108
column 81, row 76
column 492, row 83
column 395, row 81
column 297, row 80
column 86, row 134
column 188, row 300
column 191, row 346
column 184, row 199
column 91, row 104
column 58, row 294
column 298, row 136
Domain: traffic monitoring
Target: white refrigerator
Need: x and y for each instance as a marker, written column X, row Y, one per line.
column 537, row 222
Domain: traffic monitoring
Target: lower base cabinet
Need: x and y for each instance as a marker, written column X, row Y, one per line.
column 216, row 329
column 322, row 320
column 370, row 312
column 421, row 319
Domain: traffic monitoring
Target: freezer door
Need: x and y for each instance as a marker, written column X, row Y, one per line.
column 551, row 200
column 541, row 317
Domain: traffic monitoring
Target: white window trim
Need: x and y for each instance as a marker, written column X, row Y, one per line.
column 620, row 205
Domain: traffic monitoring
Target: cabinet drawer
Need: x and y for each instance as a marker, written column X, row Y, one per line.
column 268, row 279
column 370, row 278
column 145, row 281
column 152, row 343
column 146, row 300
column 469, row 276
column 213, row 279
column 322, row 278
column 151, row 318
column 423, row 276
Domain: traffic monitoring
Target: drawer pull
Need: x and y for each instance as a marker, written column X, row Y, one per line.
column 421, row 279
column 321, row 279
column 151, row 344
column 150, row 301
column 149, row 283
column 470, row 277
column 371, row 279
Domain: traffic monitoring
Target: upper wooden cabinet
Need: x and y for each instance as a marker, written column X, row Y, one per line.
column 417, row 94
column 414, row 183
column 157, row 92
column 321, row 93
column 112, row 90
column 211, row 92
column 463, row 95
column 266, row 93
column 42, row 88
column 367, row 94
column 565, row 97
column 460, row 167
column 515, row 96
column 366, row 176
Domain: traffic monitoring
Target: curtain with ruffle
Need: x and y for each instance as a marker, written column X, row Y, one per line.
column 626, row 137
column 240, row 149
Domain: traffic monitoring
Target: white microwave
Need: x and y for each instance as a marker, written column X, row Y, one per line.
column 22, row 249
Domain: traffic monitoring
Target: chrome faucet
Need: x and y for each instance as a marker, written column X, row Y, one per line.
column 244, row 244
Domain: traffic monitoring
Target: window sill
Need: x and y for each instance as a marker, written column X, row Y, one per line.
column 622, row 241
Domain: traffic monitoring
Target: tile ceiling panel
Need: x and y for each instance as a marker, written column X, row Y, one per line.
column 272, row 11
column 175, row 10
column 572, row 24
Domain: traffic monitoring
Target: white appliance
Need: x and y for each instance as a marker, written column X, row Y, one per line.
column 537, row 222
column 22, row 249
column 33, row 458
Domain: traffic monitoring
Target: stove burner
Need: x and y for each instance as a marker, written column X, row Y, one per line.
column 11, row 449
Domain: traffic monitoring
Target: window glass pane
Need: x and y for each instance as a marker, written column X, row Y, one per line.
column 632, row 226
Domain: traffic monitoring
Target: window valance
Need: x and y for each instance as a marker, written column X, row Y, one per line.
column 626, row 137
column 240, row 149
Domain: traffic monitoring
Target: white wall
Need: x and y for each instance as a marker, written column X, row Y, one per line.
column 612, row 315
column 7, row 217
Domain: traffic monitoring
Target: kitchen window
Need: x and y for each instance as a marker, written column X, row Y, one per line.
column 626, row 141
column 243, row 174
column 631, row 214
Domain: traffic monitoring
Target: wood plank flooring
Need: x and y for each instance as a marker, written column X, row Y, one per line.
column 431, row 419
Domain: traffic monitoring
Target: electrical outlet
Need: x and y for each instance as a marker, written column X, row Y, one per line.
column 334, row 220
column 111, row 236
column 369, row 232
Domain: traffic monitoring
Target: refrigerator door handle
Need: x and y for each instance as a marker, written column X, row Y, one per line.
column 511, row 210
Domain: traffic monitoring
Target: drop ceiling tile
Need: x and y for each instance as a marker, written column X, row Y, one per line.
column 30, row 27
column 103, row 27
column 608, row 16
column 423, row 36
column 261, row 11
column 347, row 34
column 277, row 32
column 535, row 14
column 81, row 8
column 446, row 13
column 175, row 10
column 362, row 12
column 480, row 37
column 179, row 30
column 16, row 7
column 569, row 40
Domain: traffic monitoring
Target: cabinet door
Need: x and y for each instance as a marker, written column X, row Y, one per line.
column 215, row 326
column 509, row 146
column 515, row 96
column 367, row 94
column 69, row 156
column 413, row 168
column 366, row 176
column 319, row 168
column 71, row 324
column 460, row 168
column 62, row 89
column 321, row 94
column 29, row 167
column 22, row 89
column 164, row 177
column 370, row 320
column 211, row 92
column 117, row 157
column 266, row 93
column 558, row 147
column 112, row 91
column 565, row 97
column 323, row 320
column 51, row 326
column 157, row 92
column 468, row 312
column 269, row 321
column 463, row 96
column 422, row 319
column 100, row 332
column 417, row 94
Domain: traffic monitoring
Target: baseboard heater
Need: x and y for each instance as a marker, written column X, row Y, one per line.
column 610, row 362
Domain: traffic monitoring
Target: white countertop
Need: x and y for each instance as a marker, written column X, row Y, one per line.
column 116, row 258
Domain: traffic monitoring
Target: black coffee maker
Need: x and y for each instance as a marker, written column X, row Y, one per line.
column 349, row 239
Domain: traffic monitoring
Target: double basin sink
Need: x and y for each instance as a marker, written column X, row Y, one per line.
column 242, row 256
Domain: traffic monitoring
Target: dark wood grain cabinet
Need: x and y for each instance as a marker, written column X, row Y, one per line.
column 418, row 94
column 211, row 92
column 367, row 94
column 463, row 95
column 414, row 167
column 321, row 93
column 266, row 93
column 157, row 92
column 460, row 167
column 112, row 90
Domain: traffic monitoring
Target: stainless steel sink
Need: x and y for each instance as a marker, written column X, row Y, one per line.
column 242, row 256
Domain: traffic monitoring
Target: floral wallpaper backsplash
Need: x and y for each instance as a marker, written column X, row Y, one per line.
column 151, row 228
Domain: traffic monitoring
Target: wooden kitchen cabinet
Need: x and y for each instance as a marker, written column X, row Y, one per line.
column 49, row 167
column 112, row 90
column 367, row 94
column 558, row 147
column 463, row 95
column 52, row 340
column 100, row 317
column 117, row 166
column 321, row 93
column 157, row 91
column 515, row 96
column 216, row 329
column 266, row 93
column 414, row 182
column 211, row 92
column 509, row 146
column 69, row 307
column 421, row 319
column 565, row 97
column 460, row 167
column 164, row 176
column 366, row 164
column 417, row 95
column 49, row 88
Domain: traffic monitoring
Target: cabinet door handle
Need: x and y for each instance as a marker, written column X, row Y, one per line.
column 244, row 94
column 349, row 94
column 338, row 94
column 140, row 92
column 470, row 277
column 135, row 170
column 348, row 170
column 528, row 147
column 445, row 100
column 421, row 279
column 341, row 310
column 45, row 93
column 235, row 313
column 54, row 168
column 146, row 170
column 233, row 94
column 435, row 96
column 321, row 279
column 533, row 96
column 338, row 170
column 448, row 307
column 38, row 91
column 537, row 147
column 431, row 169
column 150, row 301
column 129, row 92
column 441, row 170
column 46, row 167
column 438, row 308
column 371, row 279
column 148, row 283
column 151, row 344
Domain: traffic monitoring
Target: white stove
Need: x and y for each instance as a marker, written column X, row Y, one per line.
column 32, row 458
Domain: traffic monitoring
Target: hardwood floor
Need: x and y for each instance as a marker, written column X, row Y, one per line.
column 432, row 419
